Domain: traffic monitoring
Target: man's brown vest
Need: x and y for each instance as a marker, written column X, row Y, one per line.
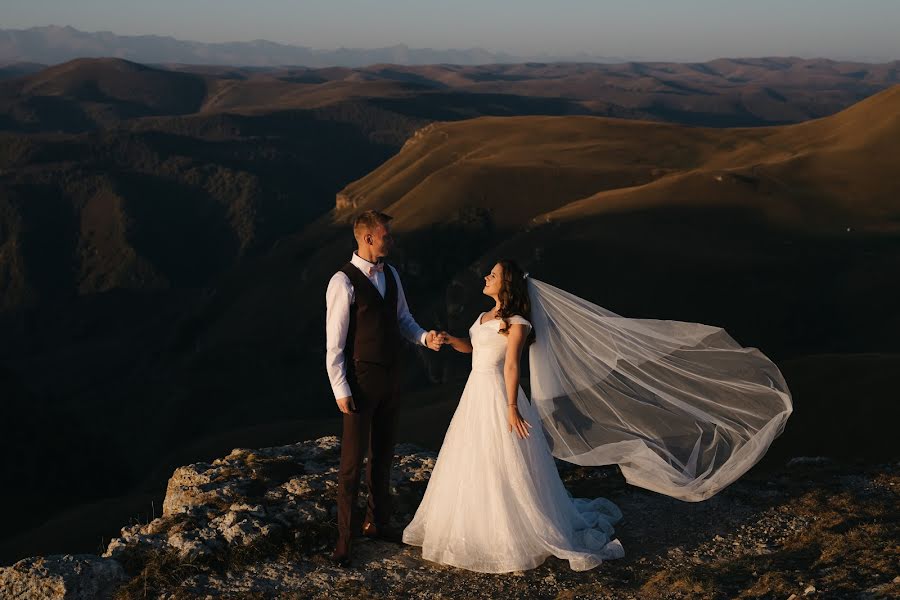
column 374, row 333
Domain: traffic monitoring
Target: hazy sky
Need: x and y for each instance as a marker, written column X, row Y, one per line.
column 664, row 29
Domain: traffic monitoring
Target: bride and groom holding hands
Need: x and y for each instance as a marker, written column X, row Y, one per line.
column 680, row 407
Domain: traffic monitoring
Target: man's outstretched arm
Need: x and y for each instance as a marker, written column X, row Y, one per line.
column 408, row 326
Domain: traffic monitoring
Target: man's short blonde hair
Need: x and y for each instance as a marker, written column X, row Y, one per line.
column 368, row 221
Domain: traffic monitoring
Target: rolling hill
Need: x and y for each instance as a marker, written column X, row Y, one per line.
column 829, row 173
column 95, row 92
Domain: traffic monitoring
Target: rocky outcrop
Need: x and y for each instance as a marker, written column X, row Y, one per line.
column 344, row 202
column 420, row 134
column 67, row 577
column 251, row 497
column 260, row 524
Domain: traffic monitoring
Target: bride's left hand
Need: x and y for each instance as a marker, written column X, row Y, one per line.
column 517, row 423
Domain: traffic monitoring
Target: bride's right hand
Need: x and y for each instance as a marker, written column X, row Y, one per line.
column 516, row 422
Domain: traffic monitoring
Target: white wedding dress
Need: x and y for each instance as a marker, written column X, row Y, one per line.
column 495, row 503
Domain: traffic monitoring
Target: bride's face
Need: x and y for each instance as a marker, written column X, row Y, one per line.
column 493, row 281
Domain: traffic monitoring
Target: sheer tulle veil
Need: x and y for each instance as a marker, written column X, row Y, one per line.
column 681, row 407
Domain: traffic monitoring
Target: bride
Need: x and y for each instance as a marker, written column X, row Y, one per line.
column 680, row 407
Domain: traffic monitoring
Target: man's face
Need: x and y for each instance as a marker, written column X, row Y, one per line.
column 380, row 239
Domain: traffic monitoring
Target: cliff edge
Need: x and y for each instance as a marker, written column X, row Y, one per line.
column 260, row 524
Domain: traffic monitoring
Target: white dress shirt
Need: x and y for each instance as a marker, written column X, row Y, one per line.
column 338, row 298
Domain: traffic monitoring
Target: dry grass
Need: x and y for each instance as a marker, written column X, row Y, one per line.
column 851, row 546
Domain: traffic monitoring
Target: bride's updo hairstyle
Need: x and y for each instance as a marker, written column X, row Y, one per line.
column 514, row 297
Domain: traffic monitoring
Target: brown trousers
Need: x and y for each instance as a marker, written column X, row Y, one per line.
column 371, row 430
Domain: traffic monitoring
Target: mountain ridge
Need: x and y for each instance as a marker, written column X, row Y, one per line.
column 52, row 44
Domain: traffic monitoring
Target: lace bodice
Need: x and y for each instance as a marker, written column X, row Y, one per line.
column 488, row 345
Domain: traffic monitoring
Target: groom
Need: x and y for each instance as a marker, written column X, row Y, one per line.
column 366, row 319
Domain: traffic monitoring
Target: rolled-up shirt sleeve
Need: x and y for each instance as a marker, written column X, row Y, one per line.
column 338, row 297
column 408, row 326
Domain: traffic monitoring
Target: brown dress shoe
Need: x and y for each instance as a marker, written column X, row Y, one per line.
column 386, row 533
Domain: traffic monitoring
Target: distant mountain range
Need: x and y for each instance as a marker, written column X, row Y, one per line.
column 54, row 44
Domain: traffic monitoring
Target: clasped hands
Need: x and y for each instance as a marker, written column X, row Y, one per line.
column 436, row 339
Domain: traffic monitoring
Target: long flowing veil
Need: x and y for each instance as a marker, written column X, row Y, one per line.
column 681, row 407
